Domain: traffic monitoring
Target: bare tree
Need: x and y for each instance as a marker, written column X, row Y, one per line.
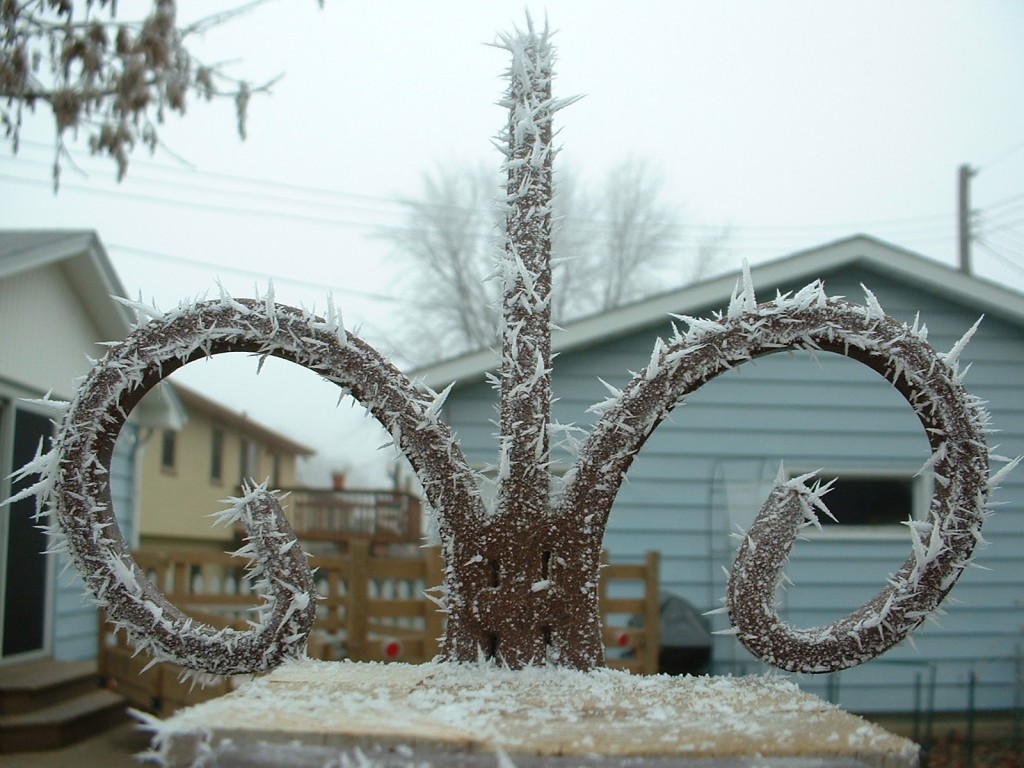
column 116, row 78
column 609, row 247
column 449, row 237
column 710, row 252
column 615, row 240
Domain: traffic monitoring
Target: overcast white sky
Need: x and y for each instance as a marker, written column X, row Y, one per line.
column 795, row 122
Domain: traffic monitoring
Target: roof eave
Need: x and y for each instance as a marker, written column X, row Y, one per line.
column 220, row 412
column 806, row 265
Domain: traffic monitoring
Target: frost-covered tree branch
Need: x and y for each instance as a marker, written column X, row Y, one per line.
column 612, row 242
column 449, row 238
column 113, row 77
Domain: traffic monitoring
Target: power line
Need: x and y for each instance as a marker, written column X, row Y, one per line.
column 1013, row 238
column 996, row 225
column 314, row 195
column 251, row 196
column 1006, row 261
column 192, row 170
column 205, row 207
column 403, row 203
column 751, row 239
column 1004, row 202
column 250, row 273
column 999, row 157
column 915, row 227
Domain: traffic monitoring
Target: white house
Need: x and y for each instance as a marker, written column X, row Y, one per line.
column 55, row 308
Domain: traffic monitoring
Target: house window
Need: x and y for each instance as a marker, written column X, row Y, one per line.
column 275, row 472
column 217, row 455
column 168, row 450
column 863, row 501
column 249, row 460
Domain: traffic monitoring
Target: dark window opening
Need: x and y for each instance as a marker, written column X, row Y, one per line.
column 168, row 450
column 248, row 461
column 275, row 476
column 863, row 501
column 23, row 559
column 217, row 454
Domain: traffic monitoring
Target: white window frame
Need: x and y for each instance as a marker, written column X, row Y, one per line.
column 921, row 485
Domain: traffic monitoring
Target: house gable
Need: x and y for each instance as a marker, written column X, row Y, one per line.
column 81, row 257
column 57, row 288
column 42, row 305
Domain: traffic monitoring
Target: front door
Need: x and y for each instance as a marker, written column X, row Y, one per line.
column 25, row 572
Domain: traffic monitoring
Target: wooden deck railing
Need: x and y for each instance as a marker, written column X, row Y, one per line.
column 370, row 609
column 379, row 516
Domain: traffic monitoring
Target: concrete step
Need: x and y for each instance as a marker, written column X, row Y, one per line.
column 61, row 724
column 34, row 685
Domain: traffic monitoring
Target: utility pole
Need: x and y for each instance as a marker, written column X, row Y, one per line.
column 964, row 175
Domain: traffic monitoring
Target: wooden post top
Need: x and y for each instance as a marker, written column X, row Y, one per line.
column 463, row 714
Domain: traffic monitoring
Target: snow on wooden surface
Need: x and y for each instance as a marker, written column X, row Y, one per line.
column 336, row 713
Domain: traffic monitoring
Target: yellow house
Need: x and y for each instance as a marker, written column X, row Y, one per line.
column 187, row 473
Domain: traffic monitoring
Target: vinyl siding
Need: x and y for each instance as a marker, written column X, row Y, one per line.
column 707, row 468
column 45, row 298
column 176, row 505
column 75, row 634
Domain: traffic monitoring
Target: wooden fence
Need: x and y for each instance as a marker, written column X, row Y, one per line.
column 370, row 609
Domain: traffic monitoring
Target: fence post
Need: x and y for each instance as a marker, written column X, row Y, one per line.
column 832, row 683
column 972, row 686
column 652, row 612
column 602, row 583
column 433, row 576
column 414, row 519
column 1018, row 698
column 933, row 672
column 182, row 582
column 916, row 734
column 358, row 600
column 103, row 651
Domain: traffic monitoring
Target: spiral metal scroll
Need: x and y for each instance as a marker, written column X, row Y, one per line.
column 75, row 491
column 954, row 422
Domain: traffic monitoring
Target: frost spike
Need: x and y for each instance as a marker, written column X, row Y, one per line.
column 952, row 358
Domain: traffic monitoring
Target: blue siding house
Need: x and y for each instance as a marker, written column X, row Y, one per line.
column 704, row 473
column 56, row 306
